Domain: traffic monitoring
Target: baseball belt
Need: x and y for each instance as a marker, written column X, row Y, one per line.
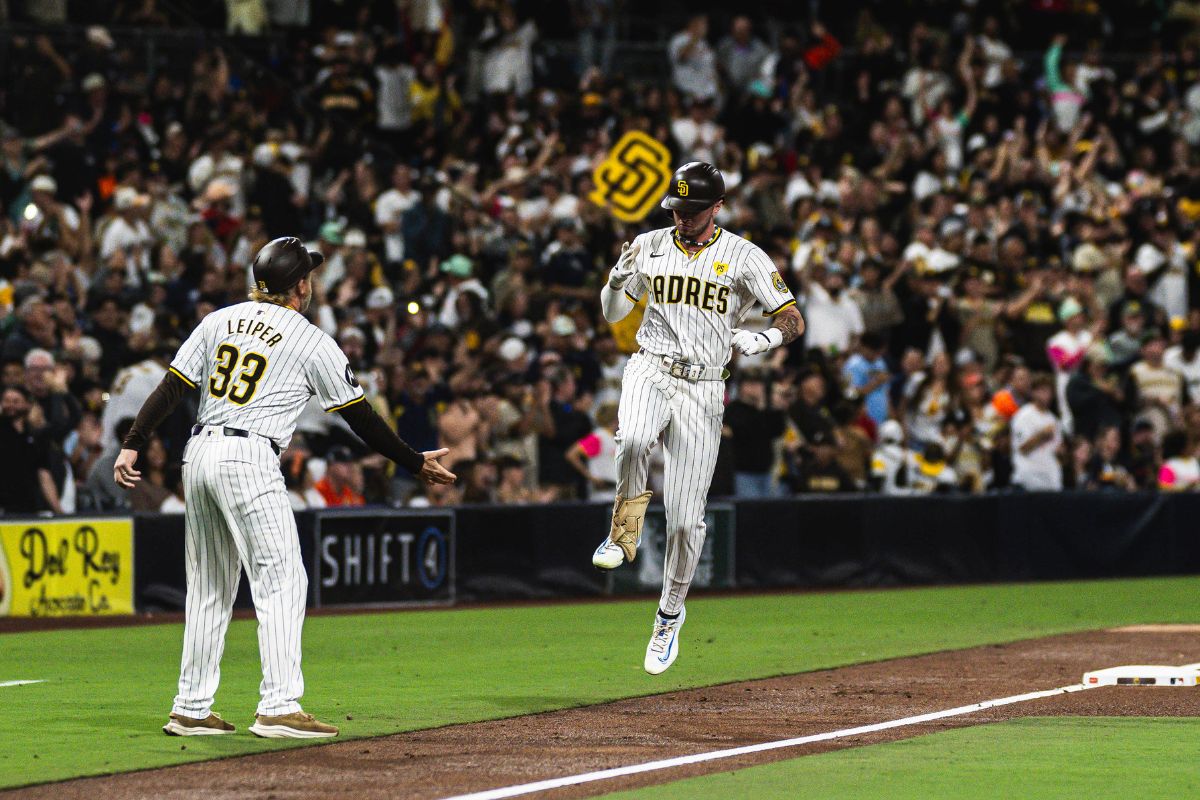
column 682, row 369
column 197, row 429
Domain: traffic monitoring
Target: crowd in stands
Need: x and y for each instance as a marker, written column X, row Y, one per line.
column 991, row 225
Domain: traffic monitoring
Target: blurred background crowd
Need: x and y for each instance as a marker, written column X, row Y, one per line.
column 991, row 224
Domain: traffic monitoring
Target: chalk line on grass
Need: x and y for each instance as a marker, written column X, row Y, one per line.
column 18, row 683
column 699, row 758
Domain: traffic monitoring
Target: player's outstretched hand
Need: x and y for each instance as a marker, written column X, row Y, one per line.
column 748, row 343
column 626, row 265
column 432, row 471
column 123, row 472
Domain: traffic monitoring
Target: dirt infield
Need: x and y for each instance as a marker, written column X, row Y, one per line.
column 464, row 758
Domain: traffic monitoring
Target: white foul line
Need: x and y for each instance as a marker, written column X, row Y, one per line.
column 698, row 758
column 18, row 683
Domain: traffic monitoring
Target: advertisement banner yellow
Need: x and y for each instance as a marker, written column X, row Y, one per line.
column 66, row 568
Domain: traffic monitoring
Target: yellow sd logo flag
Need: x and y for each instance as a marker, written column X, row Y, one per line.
column 66, row 568
column 633, row 176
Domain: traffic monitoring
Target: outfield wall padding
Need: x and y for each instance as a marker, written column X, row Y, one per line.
column 544, row 551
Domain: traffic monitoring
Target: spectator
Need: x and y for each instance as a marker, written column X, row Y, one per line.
column 867, row 372
column 928, row 398
column 1144, row 455
column 152, row 490
column 693, row 62
column 508, row 63
column 594, row 456
column 458, row 270
column 820, row 473
column 55, row 225
column 1184, row 358
column 891, row 461
column 755, row 421
column 697, row 134
column 342, row 484
column 1067, row 99
column 127, row 233
column 929, row 473
column 1104, row 469
column 1094, row 396
column 479, row 481
column 461, row 428
column 390, row 208
column 568, row 424
column 26, row 483
column 1066, row 350
column 302, row 490
column 1180, row 471
column 1155, row 391
column 742, row 56
column 809, row 411
column 1036, row 441
column 834, row 320
column 47, row 385
column 34, row 328
column 101, row 493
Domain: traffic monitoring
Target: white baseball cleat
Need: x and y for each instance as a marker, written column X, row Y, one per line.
column 664, row 643
column 626, row 533
column 608, row 555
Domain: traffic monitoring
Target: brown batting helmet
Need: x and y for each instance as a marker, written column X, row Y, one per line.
column 282, row 263
column 695, row 186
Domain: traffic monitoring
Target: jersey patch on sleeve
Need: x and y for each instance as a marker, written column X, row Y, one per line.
column 777, row 282
column 350, row 379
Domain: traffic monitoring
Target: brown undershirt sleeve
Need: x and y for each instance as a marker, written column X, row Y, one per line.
column 158, row 406
column 371, row 428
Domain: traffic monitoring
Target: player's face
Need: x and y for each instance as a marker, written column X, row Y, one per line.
column 695, row 225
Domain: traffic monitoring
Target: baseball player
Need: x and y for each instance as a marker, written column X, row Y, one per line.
column 256, row 365
column 700, row 282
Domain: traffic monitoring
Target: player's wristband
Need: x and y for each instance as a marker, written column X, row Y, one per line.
column 774, row 337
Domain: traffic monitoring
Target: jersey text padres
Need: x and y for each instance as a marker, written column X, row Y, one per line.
column 696, row 300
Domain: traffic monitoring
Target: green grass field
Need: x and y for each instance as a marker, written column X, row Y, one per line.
column 1098, row 758
column 403, row 671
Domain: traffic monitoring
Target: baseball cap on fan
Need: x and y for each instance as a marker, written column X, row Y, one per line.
column 281, row 263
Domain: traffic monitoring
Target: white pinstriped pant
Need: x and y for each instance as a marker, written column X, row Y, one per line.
column 688, row 416
column 238, row 514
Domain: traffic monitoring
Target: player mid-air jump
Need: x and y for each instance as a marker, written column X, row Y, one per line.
column 256, row 365
column 701, row 281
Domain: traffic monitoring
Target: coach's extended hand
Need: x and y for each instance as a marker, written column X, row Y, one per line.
column 432, row 471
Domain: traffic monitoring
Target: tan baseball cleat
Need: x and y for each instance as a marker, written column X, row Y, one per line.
column 622, row 542
column 296, row 725
column 213, row 725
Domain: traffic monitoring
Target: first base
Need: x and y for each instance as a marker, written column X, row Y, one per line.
column 1143, row 675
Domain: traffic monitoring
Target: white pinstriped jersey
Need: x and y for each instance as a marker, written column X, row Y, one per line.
column 256, row 365
column 696, row 300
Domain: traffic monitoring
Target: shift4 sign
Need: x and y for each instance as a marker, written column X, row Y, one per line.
column 383, row 558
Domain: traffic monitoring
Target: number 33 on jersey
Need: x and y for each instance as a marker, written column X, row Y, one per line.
column 258, row 364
